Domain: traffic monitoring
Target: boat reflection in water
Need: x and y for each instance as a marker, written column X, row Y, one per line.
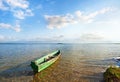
column 47, row 74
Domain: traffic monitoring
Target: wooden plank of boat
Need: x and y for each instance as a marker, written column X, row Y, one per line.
column 45, row 61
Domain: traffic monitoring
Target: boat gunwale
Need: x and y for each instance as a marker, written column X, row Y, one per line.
column 49, row 60
column 40, row 58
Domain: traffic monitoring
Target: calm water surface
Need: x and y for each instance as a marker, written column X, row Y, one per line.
column 78, row 63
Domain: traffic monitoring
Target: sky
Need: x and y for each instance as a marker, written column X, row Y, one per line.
column 75, row 21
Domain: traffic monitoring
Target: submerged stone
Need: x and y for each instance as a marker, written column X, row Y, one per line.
column 112, row 74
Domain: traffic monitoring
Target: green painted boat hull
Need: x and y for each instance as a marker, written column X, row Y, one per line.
column 40, row 64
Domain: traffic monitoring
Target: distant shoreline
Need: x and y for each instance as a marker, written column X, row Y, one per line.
column 51, row 43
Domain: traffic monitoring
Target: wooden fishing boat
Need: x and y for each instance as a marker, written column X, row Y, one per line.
column 45, row 61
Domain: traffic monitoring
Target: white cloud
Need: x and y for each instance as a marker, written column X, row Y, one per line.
column 19, row 8
column 55, row 38
column 8, row 26
column 90, row 37
column 7, row 38
column 17, row 28
column 18, row 3
column 103, row 11
column 3, row 25
column 2, row 6
column 59, row 21
column 28, row 13
column 90, row 17
column 2, row 37
column 20, row 14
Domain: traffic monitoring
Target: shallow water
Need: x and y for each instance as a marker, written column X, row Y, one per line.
column 78, row 63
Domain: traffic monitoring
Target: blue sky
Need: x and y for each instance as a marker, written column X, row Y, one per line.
column 60, row 20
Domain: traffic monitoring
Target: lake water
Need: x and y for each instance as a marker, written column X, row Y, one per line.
column 78, row 62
